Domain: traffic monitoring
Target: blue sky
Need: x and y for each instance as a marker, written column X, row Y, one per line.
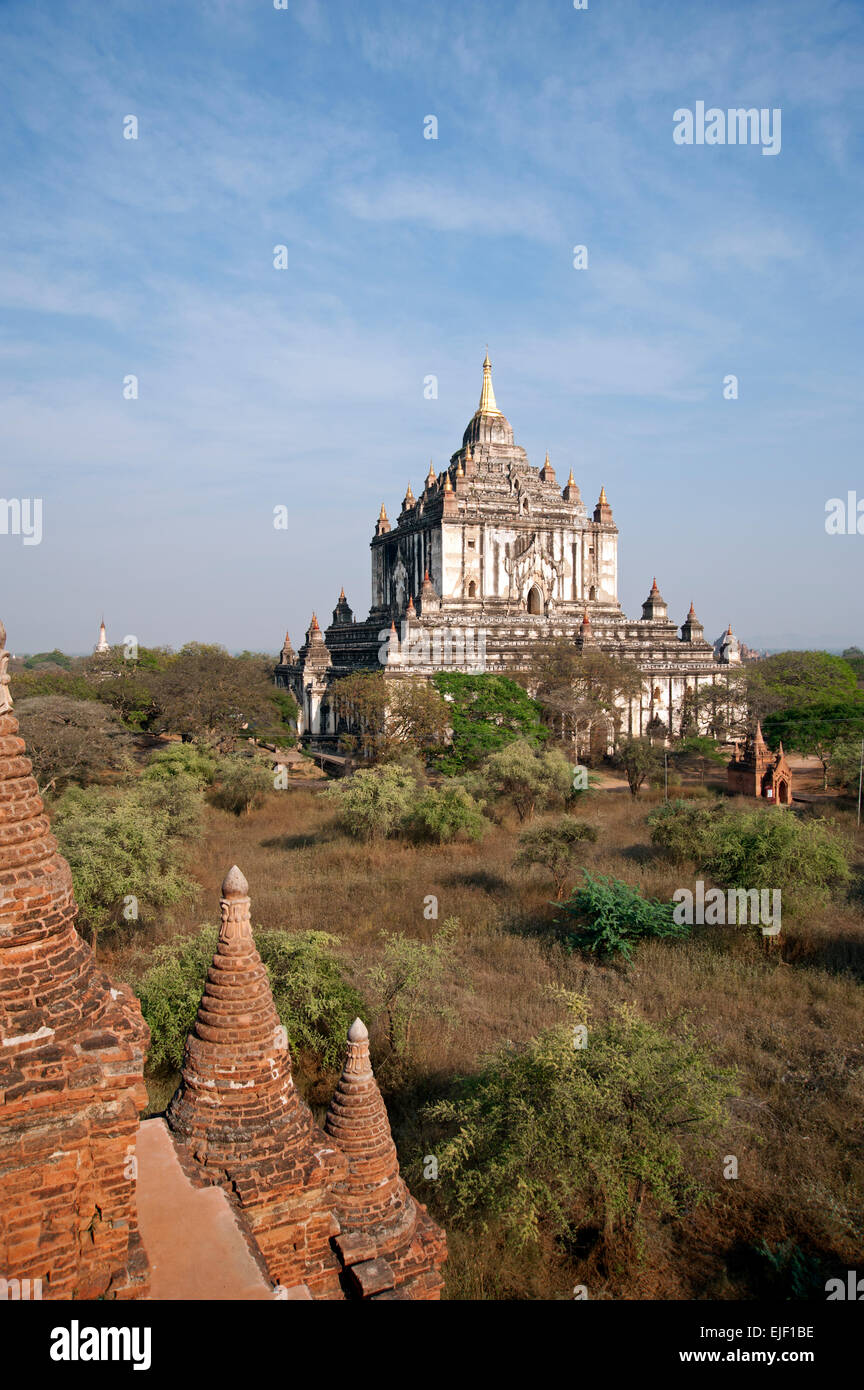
column 304, row 387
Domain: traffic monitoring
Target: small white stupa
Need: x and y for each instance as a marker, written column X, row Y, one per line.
column 102, row 645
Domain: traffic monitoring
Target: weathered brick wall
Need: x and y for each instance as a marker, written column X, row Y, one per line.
column 71, row 1069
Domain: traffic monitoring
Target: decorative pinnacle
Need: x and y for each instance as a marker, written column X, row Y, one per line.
column 342, row 593
column 382, row 515
column 654, row 588
column 487, row 404
column 571, row 481
column 430, row 476
column 358, row 1032
column 602, row 502
column 448, row 486
column 234, row 884
column 314, row 623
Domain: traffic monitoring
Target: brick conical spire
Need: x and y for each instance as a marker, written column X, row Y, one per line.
column 236, row 1080
column 372, row 1198
column 239, row 1121
column 71, row 1064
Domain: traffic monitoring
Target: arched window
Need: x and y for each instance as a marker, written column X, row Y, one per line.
column 592, row 593
column 535, row 601
column 472, row 589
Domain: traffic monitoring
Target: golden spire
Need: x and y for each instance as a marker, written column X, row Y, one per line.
column 571, row 481
column 382, row 516
column 602, row 502
column 430, row 476
column 487, row 404
column 448, row 486
column 460, row 471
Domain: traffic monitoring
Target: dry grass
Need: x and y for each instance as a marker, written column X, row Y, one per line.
column 789, row 1021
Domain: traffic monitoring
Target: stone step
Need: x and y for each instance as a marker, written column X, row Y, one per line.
column 195, row 1247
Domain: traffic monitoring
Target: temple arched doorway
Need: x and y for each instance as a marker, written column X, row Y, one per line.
column 535, row 601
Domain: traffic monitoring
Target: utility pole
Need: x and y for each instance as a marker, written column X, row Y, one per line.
column 666, row 782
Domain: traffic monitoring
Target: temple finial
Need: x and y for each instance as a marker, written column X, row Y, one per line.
column 487, row 404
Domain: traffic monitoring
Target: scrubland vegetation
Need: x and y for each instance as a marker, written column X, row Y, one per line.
column 573, row 1078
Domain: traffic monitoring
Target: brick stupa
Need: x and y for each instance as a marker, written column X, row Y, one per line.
column 239, row 1122
column 387, row 1239
column 71, row 1067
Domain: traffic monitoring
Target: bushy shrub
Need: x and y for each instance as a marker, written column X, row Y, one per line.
column 640, row 760
column 241, row 785
column 179, row 799
column 763, row 848
column 774, row 849
column 608, row 917
column 374, row 801
column 526, row 778
column 312, row 1000
column 181, row 760
column 123, row 857
column 446, row 813
column 404, row 984
column 556, row 848
column 684, row 831
column 551, row 1136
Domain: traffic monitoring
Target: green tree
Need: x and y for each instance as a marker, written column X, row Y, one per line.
column 241, row 785
column 442, row 814
column 181, row 760
column 361, row 700
column 125, row 863
column 557, row 848
column 214, row 697
column 52, row 658
column 550, row 1137
column 640, row 760
column 404, row 984
column 312, row 999
column 855, row 658
column 798, row 678
column 845, row 765
column 486, row 713
column 374, row 801
column 686, row 831
column 526, row 778
column 814, row 729
column 417, row 716
column 763, row 848
column 608, row 917
column 71, row 740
